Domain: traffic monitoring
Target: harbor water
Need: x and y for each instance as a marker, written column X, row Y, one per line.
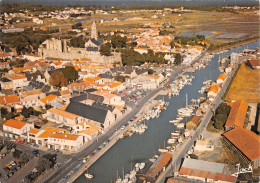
column 139, row 148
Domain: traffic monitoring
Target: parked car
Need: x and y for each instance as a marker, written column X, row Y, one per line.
column 21, row 163
column 18, row 166
column 35, row 152
column 10, row 174
column 13, row 163
column 66, row 177
column 24, row 179
column 58, row 152
column 13, row 169
column 5, row 176
column 35, row 145
column 7, row 169
column 75, row 169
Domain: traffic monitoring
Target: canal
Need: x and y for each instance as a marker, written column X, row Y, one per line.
column 139, row 148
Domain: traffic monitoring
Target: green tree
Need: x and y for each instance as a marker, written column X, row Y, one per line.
column 178, row 59
column 105, row 49
column 43, row 164
column 78, row 42
column 70, row 73
column 220, row 120
column 150, row 71
column 77, row 26
column 17, row 153
column 9, row 115
column 27, row 112
column 218, row 124
column 120, row 78
column 26, row 156
column 223, row 108
column 48, row 106
column 118, row 41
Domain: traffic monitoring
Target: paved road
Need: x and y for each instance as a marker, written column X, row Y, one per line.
column 176, row 160
column 76, row 158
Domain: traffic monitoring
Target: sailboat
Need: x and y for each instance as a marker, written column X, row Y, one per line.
column 163, row 150
column 88, row 175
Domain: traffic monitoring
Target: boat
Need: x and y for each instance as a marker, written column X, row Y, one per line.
column 175, row 136
column 163, row 150
column 152, row 160
column 175, row 133
column 142, row 165
column 88, row 176
column 174, row 121
column 179, row 118
column 171, row 141
column 181, row 125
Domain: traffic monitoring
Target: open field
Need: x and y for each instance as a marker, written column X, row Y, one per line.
column 245, row 86
column 212, row 23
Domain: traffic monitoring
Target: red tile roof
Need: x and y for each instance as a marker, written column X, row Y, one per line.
column 237, row 114
column 246, row 141
column 12, row 99
column 14, row 124
column 254, row 62
column 64, row 136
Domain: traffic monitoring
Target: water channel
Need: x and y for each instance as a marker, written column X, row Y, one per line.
column 139, row 148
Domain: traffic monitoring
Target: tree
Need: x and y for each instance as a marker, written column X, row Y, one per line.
column 27, row 112
column 220, row 120
column 43, row 164
column 120, row 78
column 178, row 59
column 70, row 73
column 17, row 153
column 118, row 41
column 26, row 156
column 78, row 42
column 105, row 49
column 48, row 106
column 58, row 79
column 223, row 108
column 77, row 26
column 218, row 124
column 150, row 71
column 10, row 115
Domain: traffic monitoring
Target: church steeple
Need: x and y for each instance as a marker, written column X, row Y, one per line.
column 94, row 31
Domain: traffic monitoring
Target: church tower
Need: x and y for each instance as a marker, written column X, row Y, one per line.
column 94, row 31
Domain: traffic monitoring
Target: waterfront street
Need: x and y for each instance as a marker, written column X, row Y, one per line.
column 75, row 159
column 156, row 134
column 177, row 157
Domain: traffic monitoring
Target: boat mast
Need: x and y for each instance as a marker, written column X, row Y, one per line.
column 123, row 174
column 186, row 100
column 132, row 164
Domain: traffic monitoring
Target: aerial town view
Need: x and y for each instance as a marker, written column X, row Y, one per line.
column 112, row 91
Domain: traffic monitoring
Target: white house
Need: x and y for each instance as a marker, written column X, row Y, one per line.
column 40, row 136
column 221, row 78
column 204, row 145
column 19, row 81
column 16, row 129
column 32, row 57
column 66, row 142
column 213, row 91
column 90, row 132
column 61, row 116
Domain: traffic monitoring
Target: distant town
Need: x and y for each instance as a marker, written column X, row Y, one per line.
column 129, row 94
